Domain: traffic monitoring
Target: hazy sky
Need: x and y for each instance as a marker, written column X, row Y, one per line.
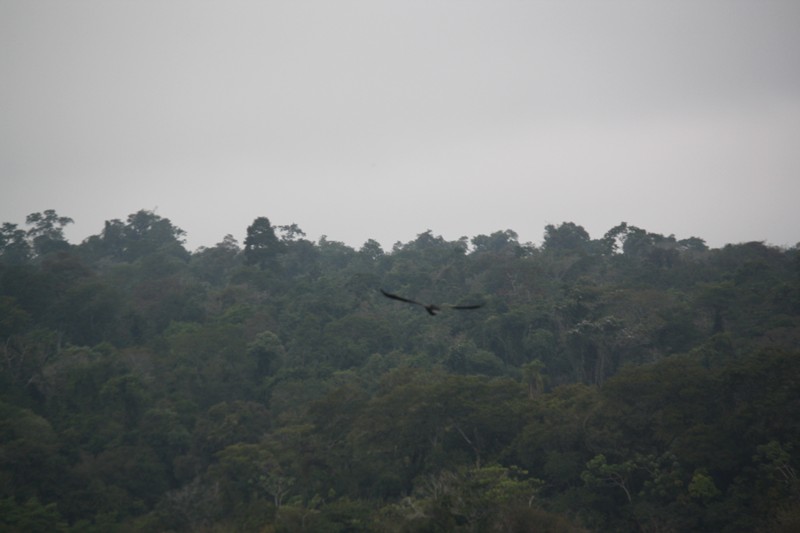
column 383, row 119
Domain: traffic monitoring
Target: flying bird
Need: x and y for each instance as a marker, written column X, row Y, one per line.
column 432, row 309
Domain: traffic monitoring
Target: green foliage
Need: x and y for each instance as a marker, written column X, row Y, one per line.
column 261, row 247
column 15, row 247
column 633, row 382
column 566, row 237
column 143, row 234
column 28, row 452
column 468, row 499
column 30, row 516
column 47, row 233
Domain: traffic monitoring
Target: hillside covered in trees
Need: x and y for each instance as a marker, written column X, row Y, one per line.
column 635, row 382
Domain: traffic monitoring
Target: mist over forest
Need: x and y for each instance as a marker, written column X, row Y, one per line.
column 632, row 382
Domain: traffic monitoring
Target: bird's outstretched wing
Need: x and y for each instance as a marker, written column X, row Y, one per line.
column 400, row 298
column 476, row 306
column 432, row 309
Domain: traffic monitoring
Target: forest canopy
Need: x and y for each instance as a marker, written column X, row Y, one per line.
column 632, row 382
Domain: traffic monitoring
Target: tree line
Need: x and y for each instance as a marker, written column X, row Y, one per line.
column 635, row 382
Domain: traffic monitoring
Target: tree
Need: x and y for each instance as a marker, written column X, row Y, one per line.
column 14, row 245
column 498, row 243
column 268, row 352
column 147, row 233
column 47, row 233
column 371, row 249
column 247, row 472
column 471, row 499
column 229, row 423
column 215, row 265
column 298, row 256
column 193, row 506
column 30, row 516
column 566, row 237
column 88, row 313
column 143, row 234
column 261, row 246
column 28, row 454
column 291, row 232
column 533, row 374
column 595, row 347
column 13, row 319
column 600, row 473
column 350, row 340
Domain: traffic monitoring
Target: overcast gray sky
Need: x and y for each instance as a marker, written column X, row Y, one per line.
column 383, row 119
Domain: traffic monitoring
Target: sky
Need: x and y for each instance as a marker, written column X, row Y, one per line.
column 381, row 120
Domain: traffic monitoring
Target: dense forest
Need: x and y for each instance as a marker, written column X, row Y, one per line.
column 634, row 382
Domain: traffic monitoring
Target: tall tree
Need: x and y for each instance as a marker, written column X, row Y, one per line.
column 261, row 246
column 144, row 233
column 14, row 246
column 567, row 236
column 47, row 233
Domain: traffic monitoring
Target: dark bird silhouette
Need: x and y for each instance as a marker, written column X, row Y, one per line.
column 432, row 309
